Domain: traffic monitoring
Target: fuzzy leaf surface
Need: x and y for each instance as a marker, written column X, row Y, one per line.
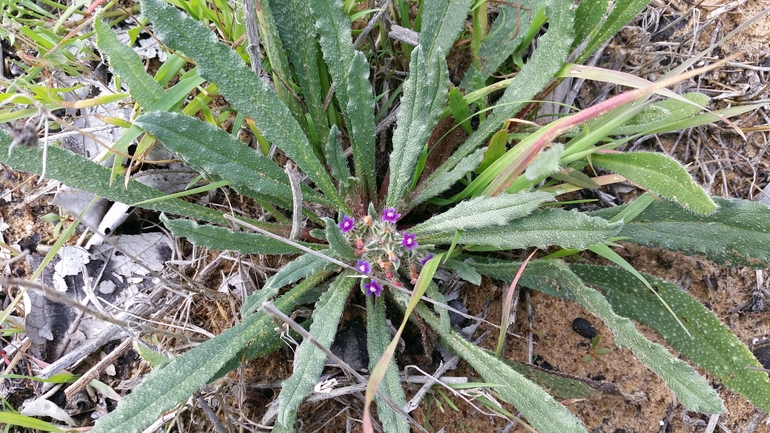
column 446, row 179
column 182, row 376
column 339, row 245
column 416, row 120
column 712, row 345
column 222, row 155
column 623, row 12
column 540, row 229
column 541, row 410
column 128, row 66
column 309, row 360
column 737, row 234
column 360, row 117
column 484, row 212
column 442, row 22
column 78, row 172
column 242, row 88
column 660, row 174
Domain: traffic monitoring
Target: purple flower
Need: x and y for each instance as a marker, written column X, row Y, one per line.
column 425, row 260
column 408, row 242
column 372, row 288
column 390, row 215
column 363, row 266
column 347, row 224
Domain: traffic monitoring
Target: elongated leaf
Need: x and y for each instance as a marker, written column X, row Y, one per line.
column 295, row 25
column 556, row 279
column 446, row 179
column 339, row 245
column 306, row 265
column 309, row 359
column 661, row 175
column 621, row 14
column 737, row 234
column 551, row 53
column 220, row 238
column 540, row 229
column 222, row 155
column 128, row 66
column 335, row 156
column 81, row 173
column 663, row 113
column 712, row 345
column 541, row 410
column 11, row 419
column 442, row 22
column 377, row 338
column 242, row 88
column 333, row 28
column 165, row 388
column 588, row 17
column 415, row 121
column 484, row 212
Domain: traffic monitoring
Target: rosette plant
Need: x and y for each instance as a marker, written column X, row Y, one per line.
column 382, row 217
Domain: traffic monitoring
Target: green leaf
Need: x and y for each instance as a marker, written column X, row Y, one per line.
column 416, row 120
column 446, row 179
column 712, row 345
column 295, row 25
column 242, row 88
column 540, row 229
column 562, row 388
column 218, row 153
column 127, row 65
column 163, row 389
column 661, row 175
column 546, row 163
column 459, row 109
column 496, row 148
column 78, row 172
column 483, row 212
column 360, row 118
column 464, row 270
column 543, row 412
column 221, row 239
column 442, row 21
column 663, row 113
column 11, row 419
column 551, row 53
column 339, row 245
column 623, row 12
column 556, row 279
column 737, row 234
column 306, row 265
column 309, row 360
column 588, row 17
column 377, row 338
column 335, row 157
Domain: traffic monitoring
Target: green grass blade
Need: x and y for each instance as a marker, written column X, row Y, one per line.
column 377, row 338
column 661, row 175
column 541, row 410
column 416, row 120
column 540, row 229
column 737, row 234
column 309, row 360
column 712, row 345
column 623, row 12
column 442, row 22
column 224, row 156
column 484, row 212
column 125, row 62
column 13, row 419
column 242, row 88
column 165, row 388
column 81, row 173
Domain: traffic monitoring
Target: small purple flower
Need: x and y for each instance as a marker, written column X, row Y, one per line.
column 425, row 260
column 363, row 266
column 372, row 288
column 390, row 215
column 408, row 241
column 347, row 224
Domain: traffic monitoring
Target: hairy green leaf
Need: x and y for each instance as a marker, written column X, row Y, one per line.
column 661, row 175
column 337, row 242
column 222, row 155
column 442, row 21
column 588, row 17
column 663, row 113
column 737, row 234
column 377, row 338
column 242, row 88
column 446, row 179
column 416, row 120
column 335, row 157
column 128, row 66
column 484, row 212
column 543, row 412
column 78, row 172
column 540, row 229
column 711, row 345
column 165, row 388
column 309, row 359
column 623, row 12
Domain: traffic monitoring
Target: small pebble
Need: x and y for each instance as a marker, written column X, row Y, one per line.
column 584, row 328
